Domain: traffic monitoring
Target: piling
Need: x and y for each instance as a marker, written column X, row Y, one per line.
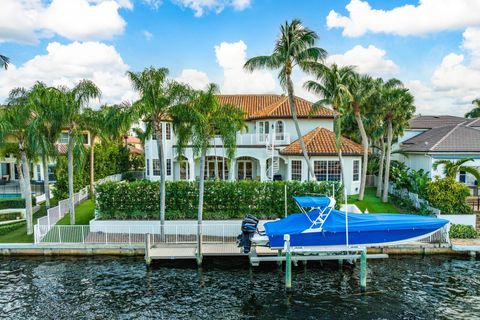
column 288, row 263
column 148, row 260
column 363, row 270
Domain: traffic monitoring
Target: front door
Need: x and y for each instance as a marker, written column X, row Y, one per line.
column 245, row 170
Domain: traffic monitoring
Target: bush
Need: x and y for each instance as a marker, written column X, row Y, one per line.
column 7, row 216
column 7, row 228
column 14, row 203
column 461, row 231
column 449, row 196
column 222, row 200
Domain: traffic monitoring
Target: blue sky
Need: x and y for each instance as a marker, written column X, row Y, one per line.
column 430, row 45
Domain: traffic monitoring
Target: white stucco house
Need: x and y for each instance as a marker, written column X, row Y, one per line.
column 268, row 150
column 432, row 138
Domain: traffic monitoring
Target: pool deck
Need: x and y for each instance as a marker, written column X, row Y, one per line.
column 211, row 250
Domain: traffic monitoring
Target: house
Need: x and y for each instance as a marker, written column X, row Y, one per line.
column 432, row 138
column 268, row 149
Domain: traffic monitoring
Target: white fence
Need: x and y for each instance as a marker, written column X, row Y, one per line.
column 416, row 201
column 55, row 214
column 123, row 235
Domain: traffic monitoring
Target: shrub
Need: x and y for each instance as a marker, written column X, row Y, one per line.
column 222, row 200
column 449, row 196
column 14, row 203
column 461, row 231
column 7, row 228
column 7, row 216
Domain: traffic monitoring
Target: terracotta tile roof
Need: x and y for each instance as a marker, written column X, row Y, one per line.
column 273, row 106
column 132, row 139
column 133, row 150
column 321, row 141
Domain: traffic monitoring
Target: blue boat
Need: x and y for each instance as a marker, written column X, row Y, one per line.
column 324, row 226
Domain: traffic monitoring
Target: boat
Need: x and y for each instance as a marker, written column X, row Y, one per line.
column 320, row 225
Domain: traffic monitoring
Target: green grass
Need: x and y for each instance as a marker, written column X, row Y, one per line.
column 83, row 214
column 372, row 203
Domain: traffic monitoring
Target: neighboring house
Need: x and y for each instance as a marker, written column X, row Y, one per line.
column 268, row 150
column 432, row 138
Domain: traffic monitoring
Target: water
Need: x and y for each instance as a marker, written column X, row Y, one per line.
column 436, row 287
column 10, row 195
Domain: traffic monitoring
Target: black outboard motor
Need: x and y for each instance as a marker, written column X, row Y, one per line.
column 249, row 226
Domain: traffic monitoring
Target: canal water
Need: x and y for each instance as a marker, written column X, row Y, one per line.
column 405, row 287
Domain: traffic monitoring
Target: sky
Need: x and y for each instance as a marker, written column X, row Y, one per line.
column 432, row 46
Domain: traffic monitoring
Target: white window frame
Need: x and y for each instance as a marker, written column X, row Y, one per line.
column 168, row 131
column 296, row 176
column 356, row 175
column 279, row 135
column 327, row 165
column 156, row 167
column 64, row 138
column 168, row 167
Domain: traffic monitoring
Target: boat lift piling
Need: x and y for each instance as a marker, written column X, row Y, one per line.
column 288, row 263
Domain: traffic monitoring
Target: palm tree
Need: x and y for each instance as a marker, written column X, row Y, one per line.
column 452, row 168
column 475, row 112
column 293, row 48
column 397, row 109
column 73, row 102
column 157, row 97
column 16, row 120
column 4, row 62
column 332, row 85
column 198, row 121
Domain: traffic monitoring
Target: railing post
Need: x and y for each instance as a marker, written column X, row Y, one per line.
column 106, row 237
column 223, row 234
column 83, row 236
column 176, row 233
column 59, row 234
column 129, row 235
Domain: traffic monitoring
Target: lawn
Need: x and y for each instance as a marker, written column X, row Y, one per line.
column 373, row 204
column 83, row 214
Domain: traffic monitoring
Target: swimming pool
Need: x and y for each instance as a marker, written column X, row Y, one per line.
column 10, row 195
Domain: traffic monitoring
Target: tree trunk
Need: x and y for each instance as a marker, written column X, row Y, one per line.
column 46, row 182
column 161, row 159
column 293, row 110
column 380, row 168
column 28, row 193
column 387, row 161
column 71, row 204
column 363, row 133
column 92, row 169
column 20, row 176
column 200, row 205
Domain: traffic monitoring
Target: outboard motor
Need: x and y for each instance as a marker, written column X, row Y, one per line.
column 249, row 226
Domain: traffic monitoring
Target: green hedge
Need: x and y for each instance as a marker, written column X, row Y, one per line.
column 7, row 228
column 7, row 216
column 222, row 200
column 460, row 231
column 14, row 203
column 449, row 196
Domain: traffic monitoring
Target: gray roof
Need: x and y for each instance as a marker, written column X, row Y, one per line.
column 429, row 122
column 450, row 138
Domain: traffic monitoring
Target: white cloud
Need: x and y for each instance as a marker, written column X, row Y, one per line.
column 29, row 20
column 148, row 35
column 154, row 4
column 67, row 64
column 369, row 60
column 201, row 6
column 231, row 57
column 196, row 79
column 425, row 17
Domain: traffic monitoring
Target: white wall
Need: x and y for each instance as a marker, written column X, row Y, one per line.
column 466, row 219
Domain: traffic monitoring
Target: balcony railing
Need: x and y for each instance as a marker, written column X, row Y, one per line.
column 263, row 139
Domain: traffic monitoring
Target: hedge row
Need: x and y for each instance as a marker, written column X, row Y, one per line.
column 7, row 216
column 14, row 203
column 7, row 228
column 222, row 200
column 460, row 231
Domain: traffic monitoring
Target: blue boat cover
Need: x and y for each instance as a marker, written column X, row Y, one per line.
column 362, row 228
column 312, row 202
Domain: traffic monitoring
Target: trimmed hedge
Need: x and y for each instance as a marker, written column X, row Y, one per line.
column 7, row 216
column 222, row 199
column 7, row 228
column 460, row 231
column 449, row 196
column 14, row 203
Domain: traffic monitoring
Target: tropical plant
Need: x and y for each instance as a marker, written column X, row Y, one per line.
column 453, row 168
column 461, row 231
column 294, row 48
column 16, row 121
column 73, row 102
column 198, row 121
column 397, row 108
column 4, row 62
column 157, row 97
column 475, row 112
column 449, row 196
column 331, row 85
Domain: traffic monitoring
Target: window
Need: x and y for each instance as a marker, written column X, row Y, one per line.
column 244, row 169
column 39, row 173
column 263, row 130
column 63, row 138
column 51, row 172
column 297, row 170
column 168, row 133
column 156, row 167
column 85, row 138
column 356, row 170
column 184, row 170
column 327, row 170
column 279, row 128
column 463, row 176
column 148, row 167
column 169, row 167
column 222, row 168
